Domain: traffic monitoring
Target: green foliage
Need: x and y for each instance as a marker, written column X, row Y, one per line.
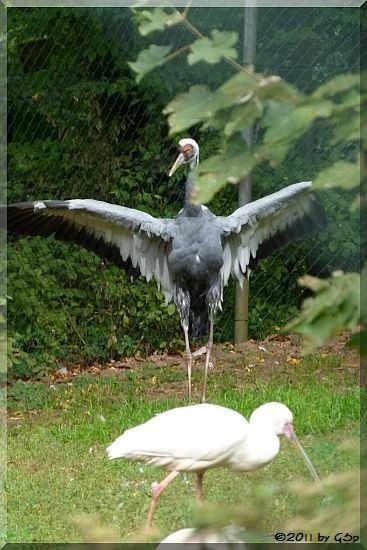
column 337, row 100
column 212, row 50
column 66, row 308
column 338, row 84
column 341, row 174
column 149, row 59
column 335, row 307
column 155, row 20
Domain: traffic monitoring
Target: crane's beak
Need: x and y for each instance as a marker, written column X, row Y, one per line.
column 180, row 159
column 289, row 433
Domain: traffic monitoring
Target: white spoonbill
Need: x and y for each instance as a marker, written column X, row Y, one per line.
column 198, row 437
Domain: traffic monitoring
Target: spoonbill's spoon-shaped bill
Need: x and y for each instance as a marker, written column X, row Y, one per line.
column 309, row 464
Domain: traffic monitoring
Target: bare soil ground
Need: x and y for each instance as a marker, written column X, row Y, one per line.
column 254, row 362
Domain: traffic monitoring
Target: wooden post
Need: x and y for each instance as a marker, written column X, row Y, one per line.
column 245, row 186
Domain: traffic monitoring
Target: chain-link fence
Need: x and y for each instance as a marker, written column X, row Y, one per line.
column 79, row 126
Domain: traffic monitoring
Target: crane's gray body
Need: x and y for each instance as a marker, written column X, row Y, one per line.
column 197, row 250
column 195, row 262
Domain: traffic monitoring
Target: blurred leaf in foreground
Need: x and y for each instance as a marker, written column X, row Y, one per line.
column 213, row 49
column 341, row 174
column 149, row 59
column 156, row 20
column 334, row 308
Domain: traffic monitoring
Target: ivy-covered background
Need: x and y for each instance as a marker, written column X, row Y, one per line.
column 81, row 126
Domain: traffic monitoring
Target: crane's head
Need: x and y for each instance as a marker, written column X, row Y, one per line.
column 188, row 153
column 279, row 419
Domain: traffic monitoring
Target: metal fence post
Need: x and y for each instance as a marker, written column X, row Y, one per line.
column 245, row 186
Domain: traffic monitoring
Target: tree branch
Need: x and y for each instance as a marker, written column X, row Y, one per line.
column 197, row 33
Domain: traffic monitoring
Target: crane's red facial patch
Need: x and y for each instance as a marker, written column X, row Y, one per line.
column 186, row 150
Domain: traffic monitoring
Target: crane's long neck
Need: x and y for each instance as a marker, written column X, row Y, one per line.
column 190, row 207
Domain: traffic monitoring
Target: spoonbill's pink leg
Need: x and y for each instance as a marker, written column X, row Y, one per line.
column 199, row 486
column 156, row 492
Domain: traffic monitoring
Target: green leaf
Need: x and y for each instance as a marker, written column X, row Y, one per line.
column 218, row 121
column 341, row 174
column 275, row 112
column 340, row 83
column 156, row 20
column 149, row 59
column 171, row 308
column 276, row 89
column 346, row 129
column 242, row 117
column 233, row 164
column 335, row 307
column 212, row 50
column 237, row 90
column 200, row 104
column 298, row 121
column 351, row 100
column 189, row 108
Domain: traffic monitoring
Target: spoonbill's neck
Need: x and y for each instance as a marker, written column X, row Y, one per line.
column 259, row 446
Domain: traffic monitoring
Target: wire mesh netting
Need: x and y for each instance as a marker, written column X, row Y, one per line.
column 79, row 126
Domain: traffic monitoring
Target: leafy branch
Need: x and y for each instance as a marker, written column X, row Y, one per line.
column 212, row 50
column 334, row 308
column 283, row 115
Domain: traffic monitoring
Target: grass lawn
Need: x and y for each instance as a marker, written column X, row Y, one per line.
column 62, row 488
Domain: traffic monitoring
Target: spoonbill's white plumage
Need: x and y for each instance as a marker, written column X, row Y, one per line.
column 198, row 437
column 211, row 538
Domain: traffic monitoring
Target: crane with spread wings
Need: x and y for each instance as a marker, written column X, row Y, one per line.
column 191, row 256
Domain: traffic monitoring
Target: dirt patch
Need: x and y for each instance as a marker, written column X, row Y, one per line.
column 277, row 354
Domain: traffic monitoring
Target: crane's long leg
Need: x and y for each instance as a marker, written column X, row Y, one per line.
column 199, row 486
column 188, row 358
column 156, row 492
column 207, row 356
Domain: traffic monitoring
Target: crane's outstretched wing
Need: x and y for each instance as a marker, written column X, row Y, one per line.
column 259, row 228
column 131, row 239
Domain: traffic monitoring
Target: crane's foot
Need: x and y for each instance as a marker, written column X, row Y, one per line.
column 203, row 351
column 200, row 351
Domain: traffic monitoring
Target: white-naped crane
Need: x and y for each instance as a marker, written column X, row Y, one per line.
column 198, row 437
column 191, row 256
